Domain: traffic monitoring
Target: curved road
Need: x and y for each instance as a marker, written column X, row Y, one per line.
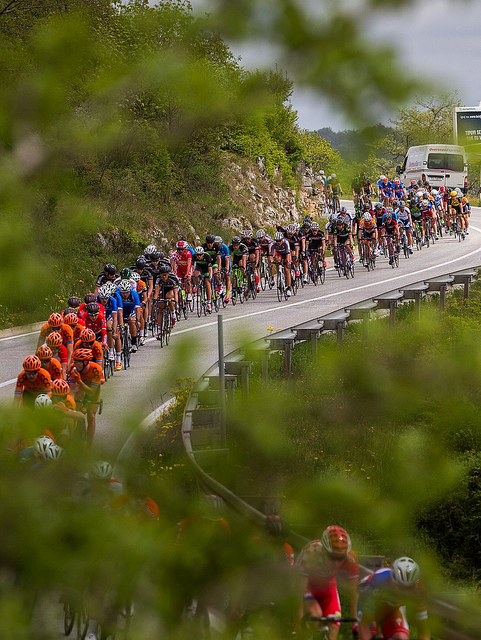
column 131, row 395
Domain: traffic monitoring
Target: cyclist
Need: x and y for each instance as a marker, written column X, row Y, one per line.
column 88, row 340
column 108, row 299
column 336, row 190
column 95, row 320
column 211, row 249
column 141, row 268
column 181, row 262
column 386, row 595
column 399, row 191
column 367, row 232
column 316, row 243
column 223, row 263
column 108, row 275
column 254, row 253
column 455, row 208
column 32, row 381
column 141, row 287
column 74, row 303
column 293, row 239
column 280, row 253
column 59, row 350
column 74, row 323
column 61, row 397
column 404, row 218
column 390, row 229
column 156, row 259
column 319, row 564
column 166, row 288
column 239, row 253
column 203, row 269
column 55, row 323
column 85, row 379
column 49, row 363
column 265, row 242
column 342, row 235
column 466, row 213
column 130, row 310
column 302, row 233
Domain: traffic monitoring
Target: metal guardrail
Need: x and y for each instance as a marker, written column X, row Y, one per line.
column 203, row 433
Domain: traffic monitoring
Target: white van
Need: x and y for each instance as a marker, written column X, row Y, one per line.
column 442, row 165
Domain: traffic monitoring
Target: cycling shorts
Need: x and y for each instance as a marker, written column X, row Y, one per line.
column 328, row 600
column 404, row 224
column 283, row 256
column 182, row 271
column 393, row 623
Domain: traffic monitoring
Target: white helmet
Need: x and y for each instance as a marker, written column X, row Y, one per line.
column 54, row 452
column 42, row 401
column 434, row 192
column 367, row 217
column 125, row 286
column 420, row 194
column 41, row 445
column 104, row 291
column 199, row 250
column 291, row 228
column 101, row 470
column 405, row 572
column 134, row 276
column 333, row 175
column 260, row 234
column 150, row 249
column 382, row 177
column 321, row 172
column 218, row 240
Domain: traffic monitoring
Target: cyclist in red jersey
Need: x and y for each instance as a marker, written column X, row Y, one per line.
column 88, row 299
column 56, row 323
column 95, row 320
column 141, row 287
column 32, row 381
column 182, row 266
column 320, row 563
column 85, row 378
column 49, row 363
column 59, row 350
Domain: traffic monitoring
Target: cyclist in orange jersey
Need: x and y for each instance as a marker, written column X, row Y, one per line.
column 142, row 290
column 85, row 379
column 32, row 381
column 87, row 341
column 49, row 363
column 56, row 323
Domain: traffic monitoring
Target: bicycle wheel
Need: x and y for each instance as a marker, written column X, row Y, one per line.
column 167, row 325
column 233, row 293
column 321, row 269
column 280, row 285
column 126, row 348
column 82, row 622
column 263, row 275
column 396, row 258
column 313, row 271
column 199, row 300
column 69, row 615
column 294, row 282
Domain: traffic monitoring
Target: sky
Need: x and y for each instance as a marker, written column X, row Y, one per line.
column 435, row 39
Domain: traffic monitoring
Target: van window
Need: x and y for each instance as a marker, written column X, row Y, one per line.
column 450, row 161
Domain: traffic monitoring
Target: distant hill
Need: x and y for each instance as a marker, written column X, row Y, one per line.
column 354, row 144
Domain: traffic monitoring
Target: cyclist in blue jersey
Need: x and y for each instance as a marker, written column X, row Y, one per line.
column 223, row 262
column 130, row 310
column 107, row 297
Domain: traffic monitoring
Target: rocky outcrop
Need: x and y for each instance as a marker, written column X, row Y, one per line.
column 264, row 203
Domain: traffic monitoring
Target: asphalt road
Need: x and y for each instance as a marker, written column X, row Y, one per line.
column 133, row 394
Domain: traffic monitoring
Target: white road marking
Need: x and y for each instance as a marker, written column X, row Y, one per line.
column 5, row 384
column 20, row 335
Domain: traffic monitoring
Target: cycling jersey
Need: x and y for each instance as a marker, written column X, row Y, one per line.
column 98, row 326
column 293, row 241
column 455, row 203
column 55, row 369
column 103, row 279
column 130, row 304
column 265, row 243
column 321, row 572
column 280, row 248
column 368, row 228
column 212, row 251
column 110, row 307
column 182, row 258
column 223, row 249
column 403, row 215
column 238, row 252
column 394, row 217
column 252, row 245
column 165, row 286
column 95, row 347
column 91, row 376
column 335, row 186
column 384, row 603
column 314, row 242
column 65, row 331
column 202, row 263
column 32, row 388
column 342, row 231
column 82, row 312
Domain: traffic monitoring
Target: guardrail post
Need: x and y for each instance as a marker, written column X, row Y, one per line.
column 340, row 332
column 245, row 380
column 392, row 313
column 288, row 358
column 314, row 339
column 466, row 288
column 220, row 343
column 442, row 297
column 265, row 367
column 417, row 305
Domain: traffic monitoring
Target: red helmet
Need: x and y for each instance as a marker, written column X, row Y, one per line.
column 336, row 541
column 32, row 363
column 54, row 340
column 44, row 352
column 182, row 245
column 82, row 354
column 55, row 320
column 87, row 335
column 60, row 387
column 71, row 319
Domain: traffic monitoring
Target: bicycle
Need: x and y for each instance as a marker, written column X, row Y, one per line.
column 165, row 327
column 317, row 271
column 368, row 255
column 404, row 243
column 346, row 262
column 294, row 280
column 109, row 365
column 264, row 276
column 322, row 632
column 200, row 299
column 392, row 251
column 238, row 285
column 418, row 236
column 281, row 283
column 251, row 282
column 126, row 345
